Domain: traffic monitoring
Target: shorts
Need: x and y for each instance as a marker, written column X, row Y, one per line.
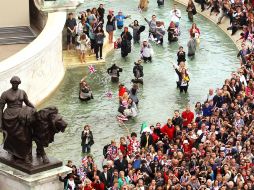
column 70, row 39
column 109, row 28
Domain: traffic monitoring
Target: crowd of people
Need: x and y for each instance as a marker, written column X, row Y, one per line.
column 208, row 148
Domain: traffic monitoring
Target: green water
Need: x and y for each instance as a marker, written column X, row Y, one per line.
column 214, row 61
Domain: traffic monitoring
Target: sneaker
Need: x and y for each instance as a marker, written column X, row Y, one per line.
column 101, row 58
column 97, row 59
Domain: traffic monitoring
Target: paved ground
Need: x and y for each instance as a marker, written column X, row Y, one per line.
column 8, row 50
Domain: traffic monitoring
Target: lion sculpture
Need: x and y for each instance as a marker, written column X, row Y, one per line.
column 38, row 126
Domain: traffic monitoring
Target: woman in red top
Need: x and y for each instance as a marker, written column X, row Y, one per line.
column 249, row 90
column 122, row 90
column 123, row 146
column 195, row 31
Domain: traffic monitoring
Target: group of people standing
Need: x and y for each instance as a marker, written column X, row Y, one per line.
column 86, row 35
column 209, row 147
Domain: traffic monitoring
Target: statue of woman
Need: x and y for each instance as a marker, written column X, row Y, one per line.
column 17, row 137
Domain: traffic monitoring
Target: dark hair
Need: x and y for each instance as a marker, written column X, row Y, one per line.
column 105, row 166
column 133, row 91
column 96, row 31
column 136, row 22
column 197, row 104
column 133, row 134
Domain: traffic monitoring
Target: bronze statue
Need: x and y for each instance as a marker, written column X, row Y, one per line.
column 22, row 125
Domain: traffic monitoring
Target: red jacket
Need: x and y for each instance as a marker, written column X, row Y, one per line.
column 87, row 188
column 123, row 149
column 187, row 149
column 189, row 116
column 155, row 137
column 97, row 186
column 121, row 91
column 170, row 131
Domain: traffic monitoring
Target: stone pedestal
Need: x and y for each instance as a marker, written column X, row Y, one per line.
column 11, row 179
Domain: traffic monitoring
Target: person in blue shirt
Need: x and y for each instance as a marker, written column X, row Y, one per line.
column 120, row 19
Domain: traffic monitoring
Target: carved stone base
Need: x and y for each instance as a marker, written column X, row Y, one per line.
column 11, row 178
column 34, row 167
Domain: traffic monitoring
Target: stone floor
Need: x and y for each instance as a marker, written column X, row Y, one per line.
column 8, row 50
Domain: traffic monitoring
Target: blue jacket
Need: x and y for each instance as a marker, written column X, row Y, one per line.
column 207, row 111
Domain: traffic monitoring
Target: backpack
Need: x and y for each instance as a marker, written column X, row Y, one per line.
column 114, row 72
column 105, row 150
column 137, row 72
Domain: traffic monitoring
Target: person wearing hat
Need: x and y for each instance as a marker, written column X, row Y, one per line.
column 120, row 19
column 16, row 140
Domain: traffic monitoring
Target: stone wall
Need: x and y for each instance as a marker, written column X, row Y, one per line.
column 14, row 13
column 39, row 65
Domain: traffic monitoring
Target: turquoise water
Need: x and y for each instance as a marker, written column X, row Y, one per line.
column 214, row 61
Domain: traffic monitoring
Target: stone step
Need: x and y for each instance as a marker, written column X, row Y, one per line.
column 22, row 40
column 71, row 59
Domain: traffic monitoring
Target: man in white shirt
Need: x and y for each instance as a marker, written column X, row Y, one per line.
column 175, row 15
column 242, row 78
column 210, row 95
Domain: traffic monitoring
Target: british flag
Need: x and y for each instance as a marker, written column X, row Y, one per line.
column 91, row 69
column 109, row 94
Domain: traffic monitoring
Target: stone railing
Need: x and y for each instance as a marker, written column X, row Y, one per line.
column 39, row 65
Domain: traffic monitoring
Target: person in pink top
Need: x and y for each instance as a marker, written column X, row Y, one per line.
column 194, row 31
column 187, row 116
column 249, row 90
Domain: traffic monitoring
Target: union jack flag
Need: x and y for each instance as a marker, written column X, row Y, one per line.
column 109, row 94
column 84, row 160
column 91, row 69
